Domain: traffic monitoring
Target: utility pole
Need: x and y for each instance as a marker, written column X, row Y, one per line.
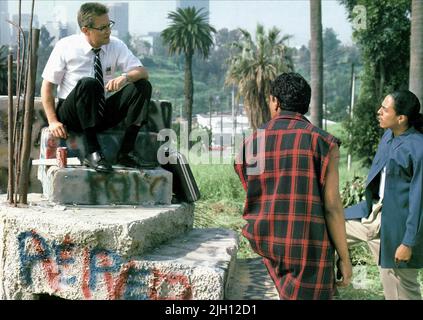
column 233, row 120
column 221, row 133
column 349, row 157
column 210, row 112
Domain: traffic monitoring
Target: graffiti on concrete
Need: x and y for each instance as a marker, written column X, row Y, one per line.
column 119, row 188
column 102, row 269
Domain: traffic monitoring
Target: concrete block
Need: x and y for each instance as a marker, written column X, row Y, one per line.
column 78, row 252
column 80, row 185
column 196, row 265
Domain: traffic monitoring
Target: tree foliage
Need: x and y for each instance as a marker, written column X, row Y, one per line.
column 254, row 65
column 416, row 50
column 338, row 59
column 213, row 69
column 384, row 44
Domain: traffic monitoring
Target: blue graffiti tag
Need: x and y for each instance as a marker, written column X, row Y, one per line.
column 29, row 260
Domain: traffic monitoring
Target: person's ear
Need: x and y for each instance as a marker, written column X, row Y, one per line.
column 84, row 30
column 402, row 119
column 277, row 103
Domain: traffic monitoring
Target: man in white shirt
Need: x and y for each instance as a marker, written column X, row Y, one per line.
column 91, row 97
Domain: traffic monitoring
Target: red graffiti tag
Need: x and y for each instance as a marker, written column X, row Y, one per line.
column 86, row 275
column 162, row 279
column 48, row 265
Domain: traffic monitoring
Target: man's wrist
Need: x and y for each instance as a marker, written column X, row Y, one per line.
column 125, row 75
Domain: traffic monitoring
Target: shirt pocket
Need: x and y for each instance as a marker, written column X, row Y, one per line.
column 109, row 73
column 109, row 67
column 398, row 177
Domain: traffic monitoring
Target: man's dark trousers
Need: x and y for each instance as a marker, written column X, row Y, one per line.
column 79, row 111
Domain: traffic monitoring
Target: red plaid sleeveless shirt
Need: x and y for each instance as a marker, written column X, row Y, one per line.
column 282, row 167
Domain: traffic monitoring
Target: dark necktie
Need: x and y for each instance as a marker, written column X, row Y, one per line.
column 98, row 74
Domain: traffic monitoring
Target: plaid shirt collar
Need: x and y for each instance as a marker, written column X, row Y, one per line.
column 285, row 114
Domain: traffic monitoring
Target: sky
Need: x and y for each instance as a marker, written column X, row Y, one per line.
column 291, row 16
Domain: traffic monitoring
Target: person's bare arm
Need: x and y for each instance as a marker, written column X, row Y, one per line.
column 133, row 75
column 335, row 218
column 47, row 97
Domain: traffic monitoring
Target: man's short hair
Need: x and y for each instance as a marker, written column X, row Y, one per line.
column 88, row 11
column 292, row 91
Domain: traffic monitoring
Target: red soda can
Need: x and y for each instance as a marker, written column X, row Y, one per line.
column 62, row 157
column 51, row 146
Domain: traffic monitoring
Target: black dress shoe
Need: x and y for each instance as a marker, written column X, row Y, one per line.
column 97, row 162
column 127, row 160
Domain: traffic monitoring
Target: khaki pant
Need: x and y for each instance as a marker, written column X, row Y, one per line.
column 398, row 284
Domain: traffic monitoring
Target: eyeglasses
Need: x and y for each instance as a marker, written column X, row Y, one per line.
column 104, row 28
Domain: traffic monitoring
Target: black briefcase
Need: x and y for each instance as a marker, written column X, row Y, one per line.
column 184, row 186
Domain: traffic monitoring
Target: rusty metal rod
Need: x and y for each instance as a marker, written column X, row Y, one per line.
column 28, row 117
column 10, row 144
column 25, row 71
column 20, row 61
column 28, row 109
column 19, row 71
column 17, row 130
column 18, row 49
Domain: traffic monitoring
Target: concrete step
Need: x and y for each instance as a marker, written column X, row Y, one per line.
column 79, row 252
column 81, row 185
column 196, row 265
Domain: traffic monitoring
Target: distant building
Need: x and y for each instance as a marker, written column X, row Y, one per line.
column 198, row 4
column 4, row 25
column 119, row 13
column 224, row 127
column 25, row 21
column 59, row 30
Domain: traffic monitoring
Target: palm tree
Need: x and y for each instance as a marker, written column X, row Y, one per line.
column 253, row 66
column 416, row 50
column 187, row 34
column 316, row 63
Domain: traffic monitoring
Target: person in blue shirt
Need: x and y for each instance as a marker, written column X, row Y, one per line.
column 390, row 220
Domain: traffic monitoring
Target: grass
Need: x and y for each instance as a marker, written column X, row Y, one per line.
column 222, row 204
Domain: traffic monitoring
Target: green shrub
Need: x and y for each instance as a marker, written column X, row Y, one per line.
column 353, row 191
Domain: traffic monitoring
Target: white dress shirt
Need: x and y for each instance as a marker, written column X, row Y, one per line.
column 382, row 183
column 73, row 59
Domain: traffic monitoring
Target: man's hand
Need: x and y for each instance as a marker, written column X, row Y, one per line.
column 345, row 270
column 116, row 84
column 403, row 254
column 58, row 130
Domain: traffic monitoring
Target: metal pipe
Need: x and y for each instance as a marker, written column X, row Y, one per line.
column 19, row 70
column 28, row 117
column 10, row 144
column 17, row 129
column 18, row 49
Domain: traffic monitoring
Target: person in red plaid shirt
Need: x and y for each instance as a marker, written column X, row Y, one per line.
column 295, row 219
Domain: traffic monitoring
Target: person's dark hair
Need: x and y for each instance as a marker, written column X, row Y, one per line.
column 292, row 91
column 88, row 11
column 406, row 103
